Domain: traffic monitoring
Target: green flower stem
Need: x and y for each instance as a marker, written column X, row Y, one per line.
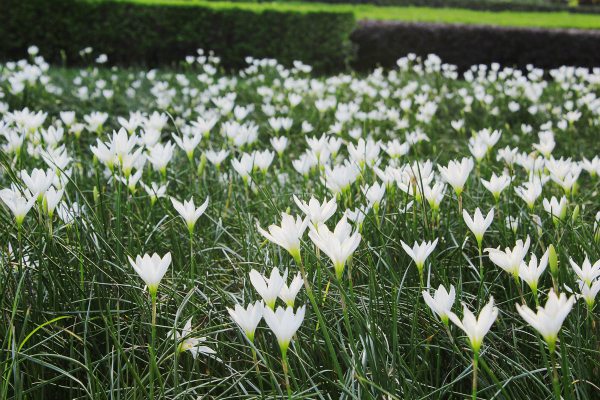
column 475, row 368
column 555, row 380
column 320, row 319
column 153, row 366
column 256, row 367
column 192, row 264
column 284, row 365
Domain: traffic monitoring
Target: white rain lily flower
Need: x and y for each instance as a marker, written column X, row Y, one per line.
column 419, row 253
column 364, row 152
column 587, row 273
column 151, row 269
column 160, row 155
column 68, row 117
column 339, row 245
column 457, row 173
column 287, row 235
column 478, row 225
column 263, row 160
column 216, row 158
column 434, row 195
column 510, row 259
column 279, row 144
column 358, row 215
column 104, row 153
column 476, row 328
column 188, row 144
column 557, row 209
column 317, row 213
column 38, row 182
column 374, row 195
column 284, row 323
column 589, row 292
column 248, row 318
column 532, row 272
column 441, row 302
column 17, row 204
column 188, row 211
column 591, row 166
column 549, row 319
column 191, row 344
column 244, row 166
column 51, row 199
column 496, row 185
column 122, row 143
column 529, row 192
column 288, row 293
column 155, row 191
column 268, row 288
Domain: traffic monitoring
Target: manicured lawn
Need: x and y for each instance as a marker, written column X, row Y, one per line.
column 418, row 14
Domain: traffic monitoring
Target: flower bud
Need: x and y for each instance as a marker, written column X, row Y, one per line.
column 553, row 260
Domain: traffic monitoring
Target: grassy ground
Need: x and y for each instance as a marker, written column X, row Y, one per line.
column 419, row 14
column 76, row 319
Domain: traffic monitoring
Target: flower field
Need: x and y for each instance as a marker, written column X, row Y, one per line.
column 271, row 233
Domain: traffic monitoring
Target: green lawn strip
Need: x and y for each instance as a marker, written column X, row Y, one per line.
column 412, row 14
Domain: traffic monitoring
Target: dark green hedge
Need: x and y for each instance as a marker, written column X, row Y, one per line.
column 586, row 6
column 381, row 43
column 135, row 33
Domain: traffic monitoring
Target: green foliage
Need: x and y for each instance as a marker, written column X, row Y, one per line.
column 454, row 15
column 154, row 33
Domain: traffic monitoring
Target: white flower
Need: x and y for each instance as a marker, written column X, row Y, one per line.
column 496, row 184
column 317, row 213
column 191, row 344
column 284, row 324
column 364, row 152
column 420, row 252
column 154, row 191
column 243, row 166
column 588, row 272
column 247, row 318
column 287, row 235
column 68, row 117
column 263, row 159
column 374, row 194
column 476, row 328
column 216, row 158
column 510, row 259
column 188, row 144
column 188, row 211
column 151, row 269
column 51, row 199
column 279, row 144
column 529, row 192
column 589, row 292
column 288, row 293
column 478, row 225
column 549, row 319
column 160, row 155
column 457, row 173
column 38, row 182
column 17, row 204
column 268, row 288
column 434, row 195
column 557, row 209
column 441, row 302
column 531, row 272
column 339, row 245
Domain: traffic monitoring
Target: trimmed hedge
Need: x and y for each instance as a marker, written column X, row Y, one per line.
column 381, row 43
column 591, row 7
column 483, row 5
column 156, row 34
